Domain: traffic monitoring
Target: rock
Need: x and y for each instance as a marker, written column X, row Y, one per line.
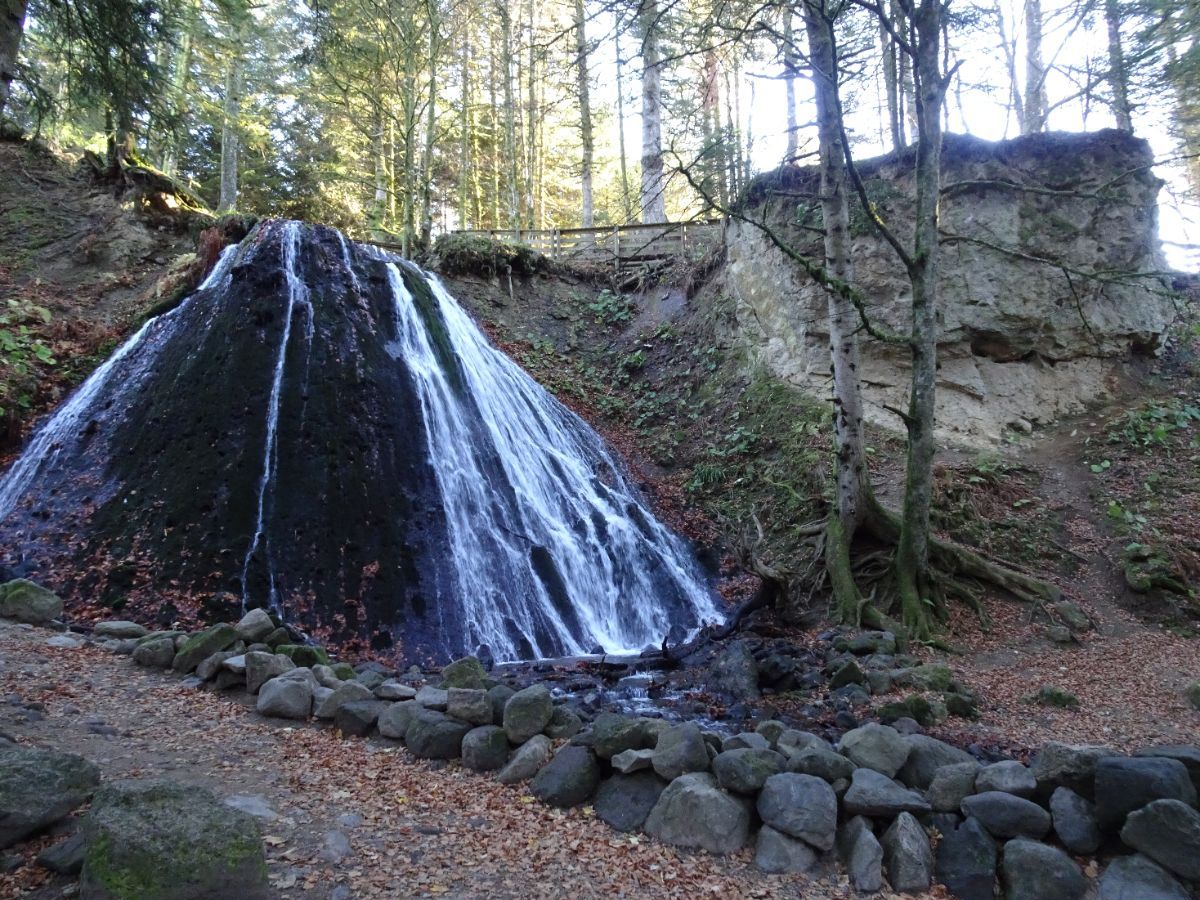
column 285, row 698
column 118, row 629
column 800, row 805
column 792, row 741
column 876, row 747
column 951, row 784
column 326, row 677
column 745, row 771
column 734, row 673
column 914, row 707
column 680, row 749
column 878, row 682
column 357, row 717
column 966, row 861
column 345, row 692
column 822, row 763
column 394, row 690
column 926, row 756
column 156, row 654
column 433, row 698
column 867, row 643
column 434, row 735
column 122, row 647
column 305, row 656
column 235, row 664
column 614, row 733
column 262, row 667
column 526, row 760
column 746, row 740
column 30, row 603
column 907, row 855
column 65, row 857
column 171, row 842
column 527, row 713
column 629, row 761
column 1052, row 695
column 1138, row 878
column 847, row 673
column 65, row 642
column 469, row 705
column 370, row 678
column 254, row 626
column 1188, row 755
column 625, row 801
column 1034, row 871
column 861, row 854
column 568, row 779
column 345, row 672
column 336, row 847
column 1068, row 765
column 393, row 721
column 1006, row 815
column 1123, row 785
column 927, row 677
column 564, row 723
column 277, row 638
column 484, row 749
column 211, row 665
column 779, row 854
column 1167, row 831
column 1008, row 776
column 254, row 804
column 1192, row 692
column 872, row 793
column 39, row 787
column 498, row 696
column 694, row 812
column 467, row 672
column 202, row 645
column 1074, row 820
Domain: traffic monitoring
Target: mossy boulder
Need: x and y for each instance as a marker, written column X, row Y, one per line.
column 928, row 677
column 304, row 655
column 464, row 673
column 1049, row 695
column 39, row 787
column 913, row 707
column 28, row 602
column 202, row 645
column 344, row 671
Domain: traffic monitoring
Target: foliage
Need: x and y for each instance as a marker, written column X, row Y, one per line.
column 22, row 353
column 480, row 255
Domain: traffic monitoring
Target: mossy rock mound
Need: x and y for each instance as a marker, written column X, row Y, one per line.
column 39, row 787
column 169, row 841
column 467, row 672
column 478, row 254
column 304, row 655
column 28, row 602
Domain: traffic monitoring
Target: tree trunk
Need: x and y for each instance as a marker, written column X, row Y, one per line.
column 531, row 118
column 12, row 27
column 891, row 86
column 1035, row 70
column 789, row 82
column 465, row 168
column 230, row 122
column 430, row 125
column 1118, row 74
column 587, row 216
column 716, row 168
column 379, row 150
column 627, row 212
column 1009, row 45
column 653, row 199
column 180, row 73
column 510, row 119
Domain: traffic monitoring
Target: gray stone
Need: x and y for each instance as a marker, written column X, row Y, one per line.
column 771, row 729
column 155, row 654
column 498, row 696
column 746, row 740
column 326, row 677
column 262, row 667
column 564, row 723
column 1008, row 776
column 393, row 721
column 1074, row 821
column 469, row 705
column 876, row 747
column 745, row 771
column 680, row 749
column 567, row 780
column 39, row 787
column 1068, row 765
column 431, row 697
column 861, row 854
column 1034, row 871
column 65, row 642
column 30, row 603
column 527, row 713
column 734, row 673
column 1186, row 754
column 335, row 847
column 1138, row 878
column 253, row 804
column 872, row 793
column 370, row 678
column 694, row 812
column 820, row 762
column 434, row 735
column 65, row 857
column 847, row 673
column 926, row 756
column 211, row 665
column 357, row 717
column 118, row 629
column 867, row 643
column 951, row 784
column 235, row 664
column 780, row 854
column 202, row 645
column 394, row 690
column 1124, row 785
column 613, row 733
column 285, row 698
column 792, row 741
column 484, row 749
column 800, row 805
column 966, row 861
column 467, row 672
column 526, row 760
column 1167, row 831
column 254, row 626
column 345, row 692
column 1006, row 815
column 625, row 801
column 629, row 761
column 171, row 842
column 907, row 855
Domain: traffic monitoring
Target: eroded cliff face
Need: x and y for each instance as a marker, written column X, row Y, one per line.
column 1048, row 284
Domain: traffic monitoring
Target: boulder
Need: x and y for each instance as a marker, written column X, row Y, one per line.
column 802, row 806
column 680, row 749
column 1124, row 785
column 254, row 626
column 326, row 677
column 356, row 718
column 39, row 787
column 484, row 749
column 1006, row 815
column 567, row 780
column 345, row 692
column 158, row 653
column 564, row 723
column 694, row 812
column 1068, row 765
column 1186, row 754
column 951, row 784
column 1136, row 877
column 171, row 842
column 792, row 740
column 745, row 771
column 25, row 601
column 613, row 733
column 625, row 801
column 393, row 721
column 872, row 793
column 396, row 691
column 866, row 643
column 498, row 696
column 305, row 656
column 286, row 698
column 526, row 760
column 211, row 665
column 118, row 629
column 861, row 854
column 877, row 747
column 822, row 763
column 771, row 729
column 431, row 697
column 371, row 678
column 434, row 735
column 65, row 857
column 966, row 861
column 734, row 673
column 527, row 713
column 629, row 761
column 907, row 856
column 1008, row 776
column 1167, row 831
column 202, row 645
column 469, row 705
column 1034, row 871
column 1074, row 820
column 926, row 756
column 779, row 854
column 467, row 672
column 262, row 667
column 746, row 740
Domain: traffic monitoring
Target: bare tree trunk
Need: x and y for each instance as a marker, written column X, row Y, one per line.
column 466, row 126
column 891, row 86
column 1009, row 46
column 510, row 118
column 627, row 212
column 230, row 130
column 653, row 199
column 1118, row 75
column 789, row 81
column 431, row 62
column 531, row 118
column 180, row 73
column 379, row 206
column 1035, row 70
column 12, row 27
column 587, row 216
column 716, row 168
column 494, row 124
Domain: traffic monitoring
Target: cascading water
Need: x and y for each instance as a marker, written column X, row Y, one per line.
column 385, row 475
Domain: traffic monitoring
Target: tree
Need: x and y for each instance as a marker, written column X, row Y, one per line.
column 1118, row 74
column 653, row 193
column 585, row 115
column 1035, row 71
column 12, row 26
column 238, row 23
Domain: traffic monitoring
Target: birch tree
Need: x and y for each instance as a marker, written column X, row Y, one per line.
column 653, row 192
column 587, row 215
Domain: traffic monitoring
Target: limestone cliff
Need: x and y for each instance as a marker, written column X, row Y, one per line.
column 1049, row 281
